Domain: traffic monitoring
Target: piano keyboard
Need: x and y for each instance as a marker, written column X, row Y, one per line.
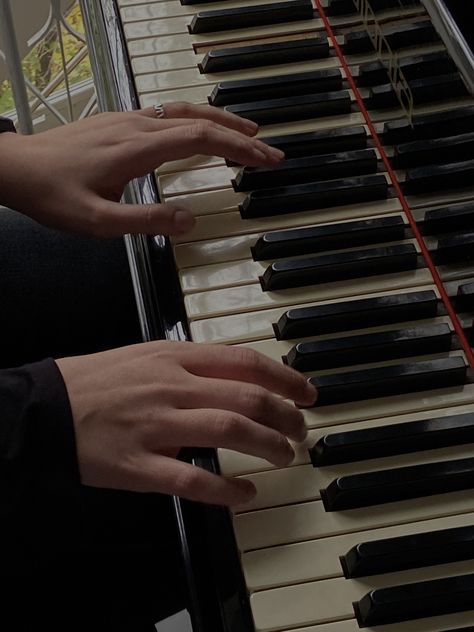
column 319, row 263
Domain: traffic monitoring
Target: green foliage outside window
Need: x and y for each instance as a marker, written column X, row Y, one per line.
column 44, row 62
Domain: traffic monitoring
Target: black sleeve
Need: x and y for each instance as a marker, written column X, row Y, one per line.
column 39, row 476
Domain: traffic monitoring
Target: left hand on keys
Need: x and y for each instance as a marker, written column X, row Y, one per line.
column 73, row 177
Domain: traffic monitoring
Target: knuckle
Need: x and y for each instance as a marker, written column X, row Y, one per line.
column 188, row 481
column 249, row 358
column 228, row 425
column 256, row 400
column 183, row 107
column 200, row 130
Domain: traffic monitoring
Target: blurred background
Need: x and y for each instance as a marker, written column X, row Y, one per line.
column 45, row 75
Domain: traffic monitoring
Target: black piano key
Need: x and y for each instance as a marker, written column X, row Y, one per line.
column 423, row 90
column 231, row 92
column 374, row 347
column 389, row 380
column 409, row 551
column 434, row 150
column 305, row 197
column 312, row 239
column 357, row 42
column 225, row 59
column 439, row 177
column 416, row 601
column 410, row 34
column 402, row 438
column 356, row 314
column 454, row 249
column 376, row 72
column 401, row 483
column 289, row 273
column 307, row 169
column 449, row 219
column 320, row 142
column 465, row 296
column 252, row 15
column 300, row 107
column 436, row 125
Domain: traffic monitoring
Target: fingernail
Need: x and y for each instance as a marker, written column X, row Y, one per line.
column 277, row 153
column 251, row 126
column 312, row 392
column 290, row 456
column 247, row 489
column 304, row 433
column 183, row 221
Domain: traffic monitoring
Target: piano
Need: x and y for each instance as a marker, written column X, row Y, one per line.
column 353, row 261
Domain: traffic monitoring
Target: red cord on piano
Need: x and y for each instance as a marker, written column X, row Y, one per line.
column 436, row 278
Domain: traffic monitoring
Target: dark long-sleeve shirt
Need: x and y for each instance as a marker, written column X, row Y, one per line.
column 39, row 477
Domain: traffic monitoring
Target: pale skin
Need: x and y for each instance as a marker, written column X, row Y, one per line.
column 135, row 407
column 77, row 173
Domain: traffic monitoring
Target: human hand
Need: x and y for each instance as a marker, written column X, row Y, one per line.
column 135, row 407
column 72, row 177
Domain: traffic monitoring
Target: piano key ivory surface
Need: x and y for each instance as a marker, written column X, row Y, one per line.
column 289, row 544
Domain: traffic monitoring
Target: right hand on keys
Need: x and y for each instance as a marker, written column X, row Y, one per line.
column 135, row 407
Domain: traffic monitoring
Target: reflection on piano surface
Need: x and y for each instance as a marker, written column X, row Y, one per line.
column 353, row 262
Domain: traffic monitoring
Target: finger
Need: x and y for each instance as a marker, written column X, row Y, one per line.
column 212, row 428
column 168, row 476
column 247, row 365
column 182, row 110
column 209, row 139
column 149, row 219
column 251, row 401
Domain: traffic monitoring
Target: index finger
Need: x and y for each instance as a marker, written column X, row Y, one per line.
column 182, row 110
column 247, row 365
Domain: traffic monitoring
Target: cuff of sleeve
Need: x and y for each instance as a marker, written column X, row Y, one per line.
column 53, row 431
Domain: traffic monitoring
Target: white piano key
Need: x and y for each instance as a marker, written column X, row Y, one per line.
column 231, row 274
column 206, row 252
column 431, row 624
column 179, row 26
column 189, row 76
column 221, row 275
column 186, row 164
column 395, row 405
column 258, row 325
column 276, row 349
column 319, row 559
column 205, row 179
column 331, row 599
column 164, row 63
column 155, row 45
column 156, row 28
column 173, row 8
column 309, row 521
column 251, row 297
column 302, row 483
column 236, row 464
column 231, row 224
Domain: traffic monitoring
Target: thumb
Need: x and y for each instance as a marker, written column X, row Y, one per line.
column 150, row 219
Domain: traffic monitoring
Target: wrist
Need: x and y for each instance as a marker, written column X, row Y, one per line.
column 12, row 170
